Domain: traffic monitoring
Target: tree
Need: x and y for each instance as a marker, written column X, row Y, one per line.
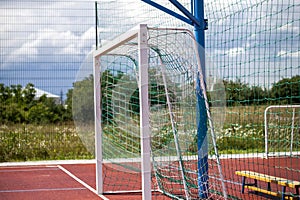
column 28, row 93
column 17, row 96
column 108, row 83
column 12, row 104
column 257, row 95
column 83, row 100
column 237, row 93
column 5, row 93
column 157, row 96
column 18, row 105
column 80, row 99
column 68, row 104
column 287, row 90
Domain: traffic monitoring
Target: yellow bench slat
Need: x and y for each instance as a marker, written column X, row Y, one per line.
column 268, row 178
column 262, row 190
column 253, row 188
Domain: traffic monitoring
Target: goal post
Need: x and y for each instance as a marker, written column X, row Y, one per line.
column 144, row 111
column 98, row 131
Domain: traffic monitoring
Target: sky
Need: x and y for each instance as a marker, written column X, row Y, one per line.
column 45, row 42
column 48, row 43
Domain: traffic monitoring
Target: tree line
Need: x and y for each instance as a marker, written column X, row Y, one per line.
column 285, row 91
column 19, row 104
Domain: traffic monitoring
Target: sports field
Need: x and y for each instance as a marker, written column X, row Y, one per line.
column 76, row 179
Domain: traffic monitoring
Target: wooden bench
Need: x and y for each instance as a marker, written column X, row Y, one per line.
column 269, row 179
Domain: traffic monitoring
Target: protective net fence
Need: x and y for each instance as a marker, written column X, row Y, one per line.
column 253, row 48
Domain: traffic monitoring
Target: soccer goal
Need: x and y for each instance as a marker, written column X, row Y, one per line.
column 282, row 128
column 145, row 85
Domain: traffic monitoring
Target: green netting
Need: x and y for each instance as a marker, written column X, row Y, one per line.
column 256, row 48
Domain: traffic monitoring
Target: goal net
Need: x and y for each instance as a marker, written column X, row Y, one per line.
column 282, row 128
column 146, row 84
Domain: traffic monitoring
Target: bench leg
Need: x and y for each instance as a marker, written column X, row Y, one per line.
column 283, row 193
column 297, row 192
column 243, row 184
column 255, row 183
column 269, row 186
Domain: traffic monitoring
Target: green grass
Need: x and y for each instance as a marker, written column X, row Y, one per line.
column 23, row 142
column 242, row 131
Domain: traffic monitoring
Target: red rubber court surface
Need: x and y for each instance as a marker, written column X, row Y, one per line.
column 43, row 182
column 54, row 181
column 69, row 180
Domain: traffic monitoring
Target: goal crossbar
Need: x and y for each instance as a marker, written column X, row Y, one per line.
column 111, row 45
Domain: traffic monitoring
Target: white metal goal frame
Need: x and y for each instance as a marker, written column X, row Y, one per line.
column 266, row 126
column 141, row 33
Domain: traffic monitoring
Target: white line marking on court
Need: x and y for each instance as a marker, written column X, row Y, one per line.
column 81, row 182
column 28, row 170
column 48, row 163
column 42, row 190
column 103, row 197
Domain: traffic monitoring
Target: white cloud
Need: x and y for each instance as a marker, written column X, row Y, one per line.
column 235, row 51
column 284, row 54
column 49, row 44
column 289, row 28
